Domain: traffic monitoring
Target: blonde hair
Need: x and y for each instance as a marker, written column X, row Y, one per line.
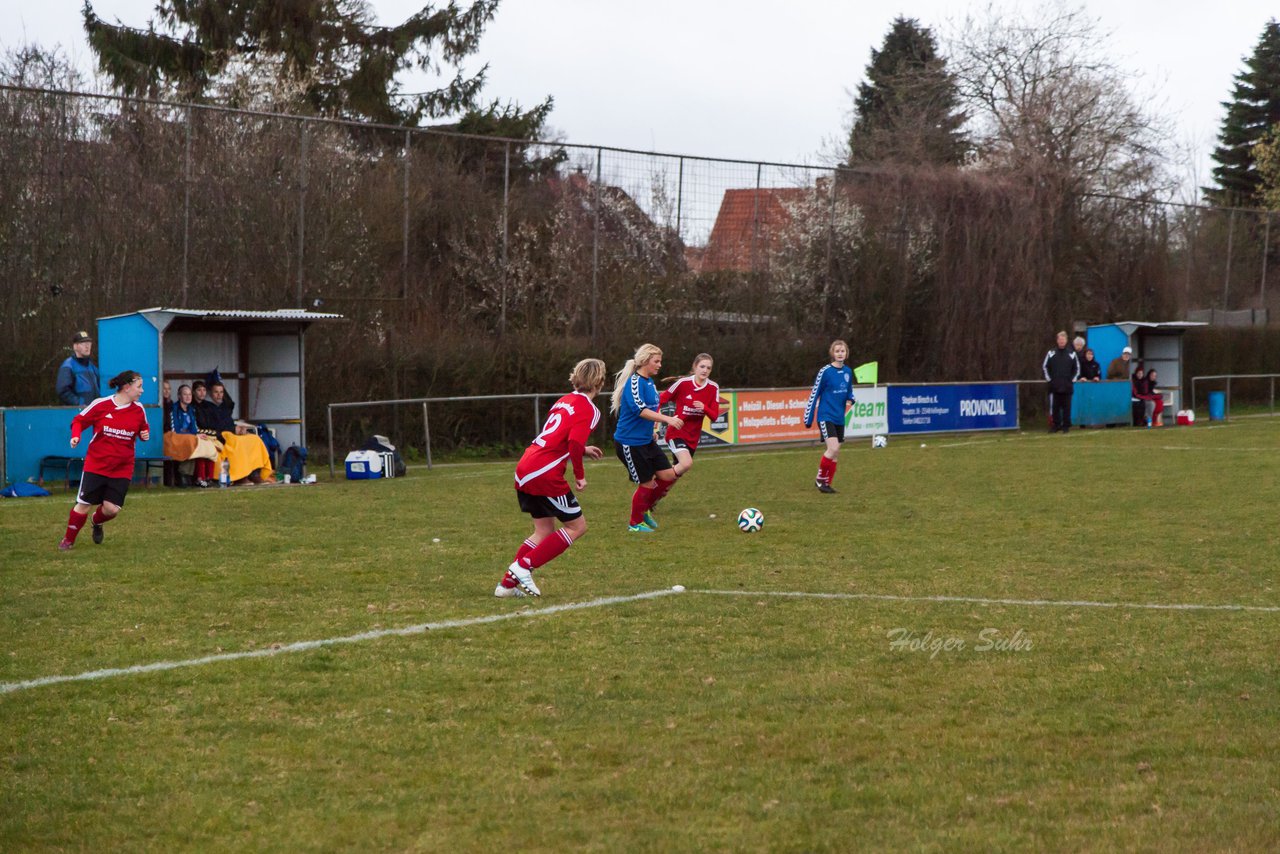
column 831, row 351
column 643, row 356
column 588, row 375
column 701, row 357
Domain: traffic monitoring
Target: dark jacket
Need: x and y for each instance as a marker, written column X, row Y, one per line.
column 1119, row 368
column 211, row 416
column 1061, row 369
column 78, row 382
column 1090, row 369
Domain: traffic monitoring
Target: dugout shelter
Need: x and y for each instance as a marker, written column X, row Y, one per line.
column 260, row 355
column 1156, row 345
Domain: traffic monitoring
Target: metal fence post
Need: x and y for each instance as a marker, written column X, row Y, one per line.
column 506, row 199
column 426, row 432
column 186, row 208
column 302, row 209
column 679, row 196
column 595, row 250
column 1231, row 236
column 404, row 250
column 1266, row 244
column 329, row 419
column 537, row 415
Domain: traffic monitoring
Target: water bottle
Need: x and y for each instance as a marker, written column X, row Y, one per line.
column 224, row 478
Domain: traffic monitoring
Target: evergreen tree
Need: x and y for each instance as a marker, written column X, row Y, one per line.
column 1254, row 107
column 908, row 109
column 327, row 56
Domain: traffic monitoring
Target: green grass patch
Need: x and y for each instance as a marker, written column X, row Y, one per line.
column 689, row 721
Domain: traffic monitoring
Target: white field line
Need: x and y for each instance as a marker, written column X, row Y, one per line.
column 977, row 600
column 303, row 646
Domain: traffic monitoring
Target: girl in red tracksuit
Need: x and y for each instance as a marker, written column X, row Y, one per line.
column 118, row 422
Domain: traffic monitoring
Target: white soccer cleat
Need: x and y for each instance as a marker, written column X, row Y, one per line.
column 525, row 579
column 508, row 592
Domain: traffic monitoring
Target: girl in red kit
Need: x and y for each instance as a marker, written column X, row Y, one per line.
column 118, row 422
column 696, row 397
column 541, row 488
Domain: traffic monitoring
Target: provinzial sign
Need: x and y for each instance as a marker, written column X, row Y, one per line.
column 952, row 408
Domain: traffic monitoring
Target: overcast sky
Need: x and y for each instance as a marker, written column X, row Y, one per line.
column 749, row 79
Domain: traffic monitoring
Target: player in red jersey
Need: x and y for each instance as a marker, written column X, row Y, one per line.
column 696, row 397
column 118, row 422
column 541, row 488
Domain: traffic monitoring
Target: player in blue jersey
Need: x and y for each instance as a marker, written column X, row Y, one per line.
column 830, row 399
column 635, row 402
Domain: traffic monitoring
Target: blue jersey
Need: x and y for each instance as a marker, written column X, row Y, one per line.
column 832, row 389
column 639, row 395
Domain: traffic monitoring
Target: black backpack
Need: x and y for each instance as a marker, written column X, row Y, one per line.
column 294, row 463
column 383, row 446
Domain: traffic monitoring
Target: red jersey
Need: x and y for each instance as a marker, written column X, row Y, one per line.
column 564, row 437
column 115, row 429
column 685, row 391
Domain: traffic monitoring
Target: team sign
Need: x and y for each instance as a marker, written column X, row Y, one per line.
column 950, row 408
column 870, row 412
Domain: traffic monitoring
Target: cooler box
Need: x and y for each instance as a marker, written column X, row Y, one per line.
column 366, row 465
column 1186, row 417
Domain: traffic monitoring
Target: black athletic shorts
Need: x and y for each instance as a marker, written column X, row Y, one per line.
column 831, row 430
column 95, row 489
column 563, row 507
column 642, row 461
column 681, row 445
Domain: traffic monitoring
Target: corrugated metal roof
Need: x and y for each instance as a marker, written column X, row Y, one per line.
column 278, row 314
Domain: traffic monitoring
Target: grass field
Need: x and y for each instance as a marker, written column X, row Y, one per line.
column 886, row 717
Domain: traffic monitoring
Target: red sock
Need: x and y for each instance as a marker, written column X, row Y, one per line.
column 74, row 523
column 548, row 550
column 99, row 517
column 660, row 491
column 509, row 580
column 831, row 471
column 824, row 468
column 640, row 503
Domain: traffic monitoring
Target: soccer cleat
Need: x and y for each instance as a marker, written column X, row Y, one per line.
column 826, row 488
column 66, row 545
column 97, row 535
column 508, row 592
column 642, row 528
column 524, row 578
column 650, row 521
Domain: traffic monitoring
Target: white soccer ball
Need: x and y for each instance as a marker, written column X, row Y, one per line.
column 750, row 520
column 879, row 441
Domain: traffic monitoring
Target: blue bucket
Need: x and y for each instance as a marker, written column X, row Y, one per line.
column 1217, row 406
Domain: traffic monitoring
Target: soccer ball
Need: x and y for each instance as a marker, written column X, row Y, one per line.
column 750, row 520
column 879, row 441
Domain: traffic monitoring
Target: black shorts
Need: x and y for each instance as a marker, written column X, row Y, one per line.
column 831, row 430
column 681, row 445
column 96, row 488
column 563, row 507
column 642, row 461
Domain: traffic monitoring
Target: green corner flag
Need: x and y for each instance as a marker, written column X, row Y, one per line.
column 867, row 373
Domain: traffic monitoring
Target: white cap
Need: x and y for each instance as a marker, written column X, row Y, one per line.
column 1128, row 350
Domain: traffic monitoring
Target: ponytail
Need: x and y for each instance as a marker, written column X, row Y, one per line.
column 620, row 383
column 123, row 379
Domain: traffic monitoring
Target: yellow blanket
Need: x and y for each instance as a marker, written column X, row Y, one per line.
column 246, row 454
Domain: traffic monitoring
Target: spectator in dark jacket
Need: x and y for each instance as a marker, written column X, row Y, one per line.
column 1119, row 367
column 1090, row 368
column 77, row 383
column 1061, row 368
column 214, row 413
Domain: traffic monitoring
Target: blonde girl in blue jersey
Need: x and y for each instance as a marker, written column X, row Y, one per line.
column 831, row 398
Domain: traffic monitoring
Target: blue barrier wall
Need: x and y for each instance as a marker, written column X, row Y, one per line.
column 1102, row 403
column 30, row 434
column 950, row 408
column 1107, row 340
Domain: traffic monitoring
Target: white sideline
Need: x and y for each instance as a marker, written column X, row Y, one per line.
column 303, row 646
column 976, row 600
